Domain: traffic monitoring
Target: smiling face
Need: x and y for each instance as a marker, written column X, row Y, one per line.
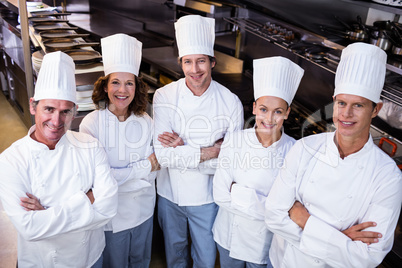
column 197, row 70
column 352, row 116
column 52, row 118
column 270, row 112
column 121, row 91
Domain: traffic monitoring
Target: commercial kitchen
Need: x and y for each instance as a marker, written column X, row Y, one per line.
column 311, row 33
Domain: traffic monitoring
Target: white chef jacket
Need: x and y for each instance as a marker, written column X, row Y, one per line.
column 128, row 146
column 338, row 193
column 200, row 121
column 69, row 233
column 239, row 226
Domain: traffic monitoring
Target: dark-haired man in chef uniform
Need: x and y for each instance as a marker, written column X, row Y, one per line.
column 191, row 117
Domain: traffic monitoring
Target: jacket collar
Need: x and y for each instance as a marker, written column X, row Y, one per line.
column 38, row 145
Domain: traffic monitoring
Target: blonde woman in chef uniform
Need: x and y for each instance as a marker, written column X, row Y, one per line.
column 125, row 130
column 347, row 190
column 248, row 164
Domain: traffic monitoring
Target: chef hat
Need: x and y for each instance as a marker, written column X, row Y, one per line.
column 56, row 79
column 276, row 76
column 195, row 35
column 361, row 71
column 121, row 53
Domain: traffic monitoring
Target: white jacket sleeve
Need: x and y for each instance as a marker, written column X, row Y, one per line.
column 181, row 157
column 136, row 176
column 76, row 213
column 129, row 176
column 237, row 121
column 237, row 116
column 208, row 167
column 134, row 171
column 235, row 198
column 282, row 197
column 323, row 241
column 248, row 201
column 223, row 179
column 104, row 190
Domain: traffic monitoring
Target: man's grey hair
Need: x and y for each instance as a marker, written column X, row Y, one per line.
column 35, row 104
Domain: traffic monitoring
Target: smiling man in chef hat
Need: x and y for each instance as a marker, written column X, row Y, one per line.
column 191, row 117
column 56, row 185
column 347, row 190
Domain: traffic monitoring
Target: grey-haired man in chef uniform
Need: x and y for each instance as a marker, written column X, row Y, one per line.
column 347, row 190
column 191, row 117
column 56, row 185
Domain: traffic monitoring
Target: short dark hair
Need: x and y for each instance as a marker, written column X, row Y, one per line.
column 139, row 104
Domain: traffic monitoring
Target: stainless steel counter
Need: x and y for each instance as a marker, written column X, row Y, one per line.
column 102, row 24
column 165, row 58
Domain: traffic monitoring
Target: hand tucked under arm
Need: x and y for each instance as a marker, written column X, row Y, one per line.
column 356, row 233
column 90, row 196
column 168, row 139
column 211, row 152
column 31, row 203
column 299, row 214
column 154, row 162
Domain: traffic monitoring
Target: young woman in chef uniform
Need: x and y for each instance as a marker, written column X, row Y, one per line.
column 248, row 164
column 125, row 130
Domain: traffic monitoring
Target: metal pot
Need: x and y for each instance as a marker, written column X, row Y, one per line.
column 396, row 50
column 356, row 32
column 382, row 43
column 358, row 35
column 355, row 35
column 380, row 39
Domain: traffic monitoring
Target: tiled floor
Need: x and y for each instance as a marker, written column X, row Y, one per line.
column 11, row 129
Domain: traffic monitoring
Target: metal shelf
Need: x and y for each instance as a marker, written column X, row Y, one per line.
column 280, row 43
column 390, row 9
column 394, row 69
column 11, row 4
column 252, row 27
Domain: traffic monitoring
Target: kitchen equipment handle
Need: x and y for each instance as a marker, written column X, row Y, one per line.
column 393, row 144
column 11, row 83
column 361, row 24
column 343, row 23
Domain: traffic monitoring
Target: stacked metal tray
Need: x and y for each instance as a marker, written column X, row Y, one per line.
column 55, row 34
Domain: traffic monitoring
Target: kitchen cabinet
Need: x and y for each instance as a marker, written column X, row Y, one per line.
column 15, row 81
column 17, row 90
